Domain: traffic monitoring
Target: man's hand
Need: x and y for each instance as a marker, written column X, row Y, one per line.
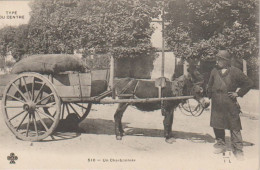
column 232, row 95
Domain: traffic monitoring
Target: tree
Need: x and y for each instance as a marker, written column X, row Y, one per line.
column 7, row 35
column 52, row 27
column 119, row 27
column 200, row 28
column 19, row 46
column 14, row 40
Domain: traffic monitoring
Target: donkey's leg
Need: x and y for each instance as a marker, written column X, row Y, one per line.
column 118, row 120
column 167, row 112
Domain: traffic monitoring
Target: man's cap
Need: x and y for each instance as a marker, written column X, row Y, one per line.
column 224, row 54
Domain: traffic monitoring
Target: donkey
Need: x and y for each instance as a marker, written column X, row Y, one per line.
column 182, row 86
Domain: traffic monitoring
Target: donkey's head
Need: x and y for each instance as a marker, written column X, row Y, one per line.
column 193, row 86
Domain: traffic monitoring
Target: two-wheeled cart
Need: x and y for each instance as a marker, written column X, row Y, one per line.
column 33, row 103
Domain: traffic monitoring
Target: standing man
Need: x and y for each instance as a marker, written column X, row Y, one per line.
column 222, row 86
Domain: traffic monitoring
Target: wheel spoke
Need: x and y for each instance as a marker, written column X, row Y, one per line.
column 54, row 114
column 74, row 110
column 39, row 111
column 28, row 125
column 25, row 85
column 16, row 115
column 44, row 125
column 46, row 105
column 39, row 92
column 33, row 88
column 21, row 122
column 80, row 105
column 19, row 91
column 63, row 110
column 44, row 98
column 15, row 98
column 35, row 125
column 13, row 106
column 67, row 109
column 52, row 137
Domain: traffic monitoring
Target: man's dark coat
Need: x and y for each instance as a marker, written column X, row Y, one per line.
column 224, row 110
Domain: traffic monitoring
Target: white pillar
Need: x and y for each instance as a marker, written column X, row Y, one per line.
column 185, row 68
column 163, row 54
column 111, row 76
column 244, row 67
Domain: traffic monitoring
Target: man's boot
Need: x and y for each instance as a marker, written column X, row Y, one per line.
column 168, row 136
column 239, row 155
column 237, row 144
column 220, row 146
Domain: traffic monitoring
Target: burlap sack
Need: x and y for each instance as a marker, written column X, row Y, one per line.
column 49, row 64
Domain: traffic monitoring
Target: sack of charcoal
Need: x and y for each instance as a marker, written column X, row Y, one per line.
column 49, row 64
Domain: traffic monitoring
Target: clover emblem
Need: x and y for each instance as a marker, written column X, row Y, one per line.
column 12, row 158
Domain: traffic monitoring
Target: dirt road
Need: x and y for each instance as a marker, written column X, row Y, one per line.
column 143, row 147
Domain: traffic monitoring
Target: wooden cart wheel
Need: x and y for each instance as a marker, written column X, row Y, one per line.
column 22, row 105
column 81, row 110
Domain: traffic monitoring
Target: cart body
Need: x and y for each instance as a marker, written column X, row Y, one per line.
column 71, row 86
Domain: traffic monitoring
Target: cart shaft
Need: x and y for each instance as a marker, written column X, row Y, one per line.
column 111, row 101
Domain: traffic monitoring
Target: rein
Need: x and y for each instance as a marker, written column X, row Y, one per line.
column 197, row 111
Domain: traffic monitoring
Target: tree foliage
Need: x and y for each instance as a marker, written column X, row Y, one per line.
column 6, row 38
column 14, row 39
column 200, row 28
column 119, row 27
column 52, row 28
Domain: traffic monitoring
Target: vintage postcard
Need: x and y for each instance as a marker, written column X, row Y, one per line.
column 129, row 84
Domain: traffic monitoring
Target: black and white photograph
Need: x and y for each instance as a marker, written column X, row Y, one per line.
column 129, row 84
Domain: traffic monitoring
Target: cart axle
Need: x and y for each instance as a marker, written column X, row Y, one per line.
column 29, row 106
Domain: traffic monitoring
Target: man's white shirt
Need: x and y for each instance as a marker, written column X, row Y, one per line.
column 223, row 70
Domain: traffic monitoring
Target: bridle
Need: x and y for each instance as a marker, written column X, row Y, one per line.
column 197, row 111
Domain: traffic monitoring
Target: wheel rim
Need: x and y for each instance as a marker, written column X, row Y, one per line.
column 81, row 110
column 22, row 105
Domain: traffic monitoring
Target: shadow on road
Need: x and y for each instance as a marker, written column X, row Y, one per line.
column 194, row 137
column 101, row 126
column 69, row 130
column 66, row 130
column 59, row 136
column 228, row 143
